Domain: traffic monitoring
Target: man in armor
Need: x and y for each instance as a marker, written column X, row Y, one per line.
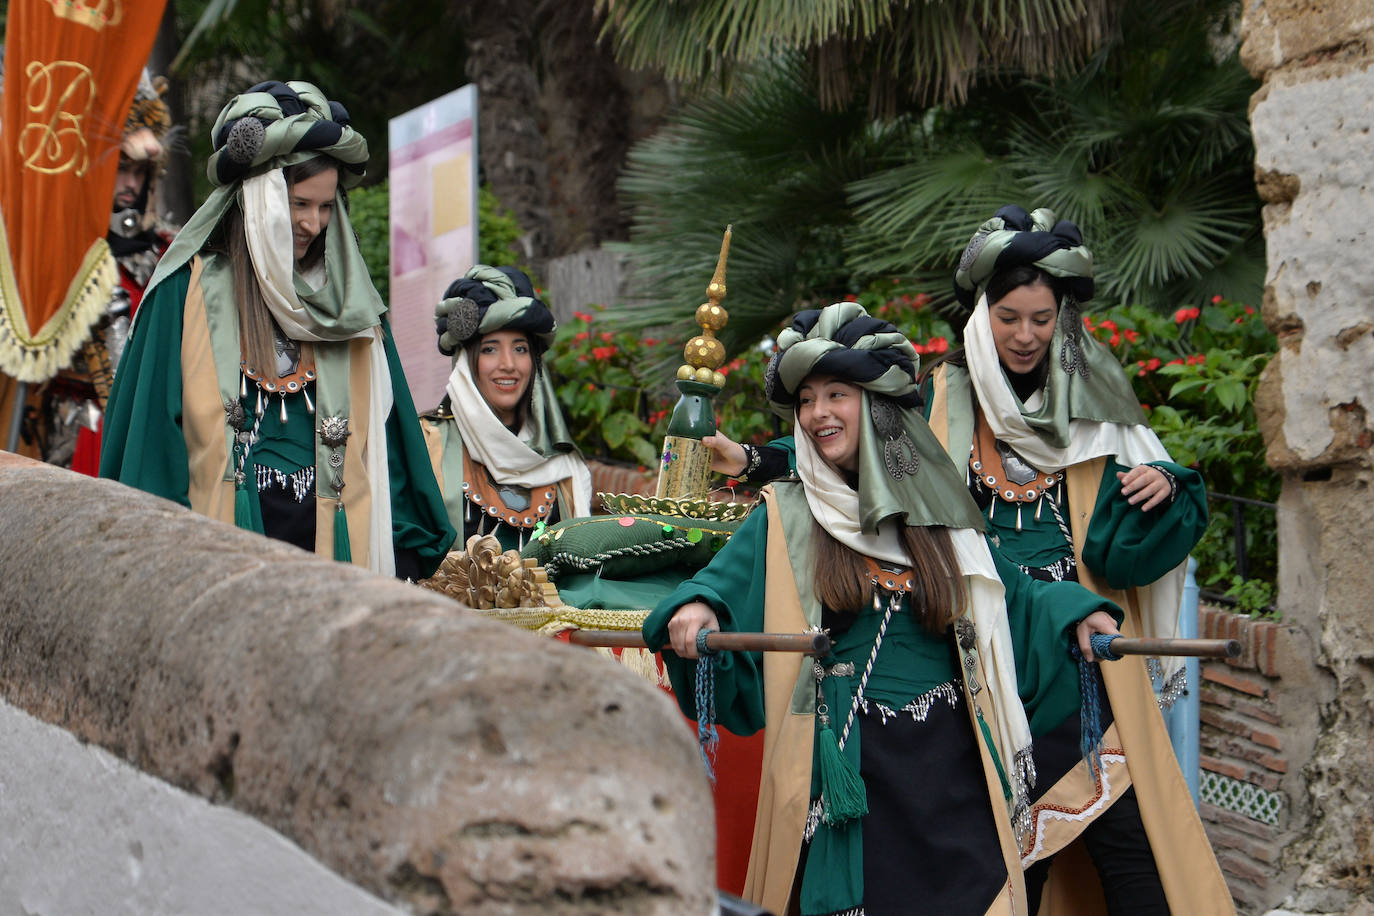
column 67, row 427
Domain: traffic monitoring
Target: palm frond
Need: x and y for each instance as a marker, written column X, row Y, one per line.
column 881, row 50
column 766, row 159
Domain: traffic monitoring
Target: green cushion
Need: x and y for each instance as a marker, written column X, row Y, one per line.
column 625, row 546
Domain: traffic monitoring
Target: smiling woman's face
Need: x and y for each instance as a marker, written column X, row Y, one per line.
column 828, row 412
column 1022, row 325
column 505, row 363
column 312, row 206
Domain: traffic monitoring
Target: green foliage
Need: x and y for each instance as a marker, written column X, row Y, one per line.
column 369, row 209
column 379, row 58
column 1195, row 371
column 768, row 160
column 1146, row 147
column 611, row 411
column 498, row 234
column 1147, row 150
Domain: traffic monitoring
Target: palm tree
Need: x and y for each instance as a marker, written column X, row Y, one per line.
column 1147, row 149
column 772, row 161
column 1146, row 146
column 889, row 52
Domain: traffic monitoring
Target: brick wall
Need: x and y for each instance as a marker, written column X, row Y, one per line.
column 1243, row 755
column 616, row 477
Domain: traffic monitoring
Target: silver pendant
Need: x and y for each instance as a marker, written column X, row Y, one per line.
column 334, row 431
column 1018, row 470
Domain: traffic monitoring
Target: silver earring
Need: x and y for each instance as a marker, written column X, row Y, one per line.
column 1071, row 357
column 899, row 452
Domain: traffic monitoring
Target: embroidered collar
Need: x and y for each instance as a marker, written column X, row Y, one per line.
column 1003, row 471
column 480, row 490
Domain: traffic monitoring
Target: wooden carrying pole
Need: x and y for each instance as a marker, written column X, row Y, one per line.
column 805, row 643
column 1197, row 648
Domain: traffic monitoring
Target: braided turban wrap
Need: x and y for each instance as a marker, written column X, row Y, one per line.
column 271, row 126
column 844, row 341
column 498, row 299
column 483, row 301
column 1083, row 379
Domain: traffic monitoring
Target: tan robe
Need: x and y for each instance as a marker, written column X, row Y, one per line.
column 1136, row 751
column 211, row 489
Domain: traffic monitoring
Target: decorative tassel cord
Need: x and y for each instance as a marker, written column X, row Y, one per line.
column 872, row 657
column 1090, row 686
column 708, row 737
column 844, row 797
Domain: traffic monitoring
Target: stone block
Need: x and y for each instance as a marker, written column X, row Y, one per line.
column 443, row 761
column 1279, row 32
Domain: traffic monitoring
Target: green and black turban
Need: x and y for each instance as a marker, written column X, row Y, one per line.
column 1015, row 238
column 488, row 299
column 845, row 341
column 272, row 126
column 1083, row 379
column 903, row 470
column 279, row 124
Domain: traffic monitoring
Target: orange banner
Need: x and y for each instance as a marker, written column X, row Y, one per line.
column 71, row 67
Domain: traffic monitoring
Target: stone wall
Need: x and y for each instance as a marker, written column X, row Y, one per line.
column 443, row 762
column 1312, row 121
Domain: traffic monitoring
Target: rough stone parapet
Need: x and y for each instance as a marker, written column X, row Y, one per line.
column 445, row 762
column 1312, row 121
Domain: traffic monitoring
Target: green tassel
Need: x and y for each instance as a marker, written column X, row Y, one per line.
column 243, row 508
column 842, row 788
column 342, row 552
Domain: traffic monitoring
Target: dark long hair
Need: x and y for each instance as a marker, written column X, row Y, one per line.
column 844, row 583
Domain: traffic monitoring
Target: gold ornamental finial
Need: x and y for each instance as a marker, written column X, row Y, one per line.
column 704, row 354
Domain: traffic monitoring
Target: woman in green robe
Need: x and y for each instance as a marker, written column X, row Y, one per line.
column 498, row 442
column 260, row 384
column 1073, row 485
column 897, row 769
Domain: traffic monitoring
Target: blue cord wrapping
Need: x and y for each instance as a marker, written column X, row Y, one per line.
column 707, row 735
column 1090, row 710
column 1101, row 644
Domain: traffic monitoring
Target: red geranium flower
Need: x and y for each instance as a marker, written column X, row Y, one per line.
column 1216, row 300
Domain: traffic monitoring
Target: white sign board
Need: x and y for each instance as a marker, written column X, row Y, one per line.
column 433, row 175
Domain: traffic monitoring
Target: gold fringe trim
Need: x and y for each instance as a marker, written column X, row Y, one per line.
column 37, row 357
column 550, row 621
